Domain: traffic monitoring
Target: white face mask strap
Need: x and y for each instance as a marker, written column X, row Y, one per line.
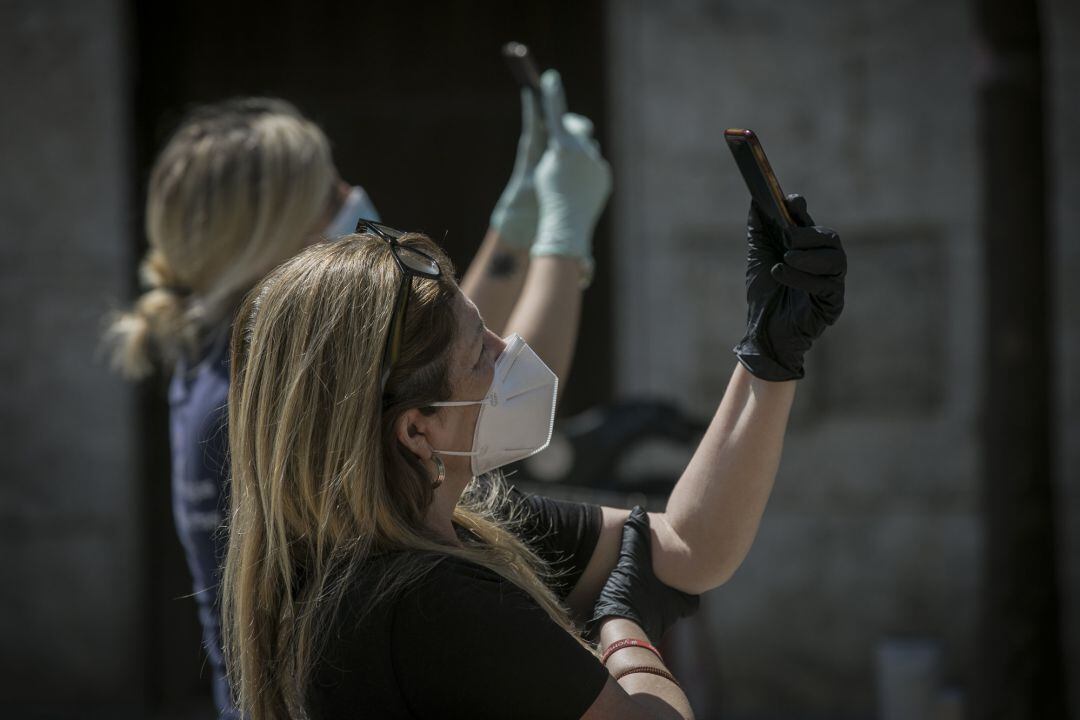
column 455, row 403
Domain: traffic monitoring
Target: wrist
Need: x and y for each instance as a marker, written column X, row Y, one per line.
column 565, row 244
column 516, row 216
column 765, row 367
column 584, row 265
column 514, row 231
column 564, row 231
column 628, row 644
column 631, row 660
column 613, row 629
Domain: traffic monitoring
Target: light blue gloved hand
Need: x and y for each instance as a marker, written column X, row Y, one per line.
column 516, row 214
column 573, row 181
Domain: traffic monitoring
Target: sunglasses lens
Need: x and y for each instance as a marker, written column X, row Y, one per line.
column 416, row 261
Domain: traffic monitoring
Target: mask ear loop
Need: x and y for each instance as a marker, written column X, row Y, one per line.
column 456, row 403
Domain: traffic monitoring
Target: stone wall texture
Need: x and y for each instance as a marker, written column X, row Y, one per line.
column 868, row 109
column 69, row 613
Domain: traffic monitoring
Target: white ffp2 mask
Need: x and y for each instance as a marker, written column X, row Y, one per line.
column 357, row 205
column 518, row 412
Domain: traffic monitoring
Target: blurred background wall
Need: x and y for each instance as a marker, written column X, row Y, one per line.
column 72, row 621
column 867, row 109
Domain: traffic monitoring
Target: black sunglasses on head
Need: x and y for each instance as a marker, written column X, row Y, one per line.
column 412, row 262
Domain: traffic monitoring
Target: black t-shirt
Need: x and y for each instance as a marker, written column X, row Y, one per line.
column 464, row 642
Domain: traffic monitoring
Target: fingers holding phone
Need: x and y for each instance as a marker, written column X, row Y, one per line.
column 545, row 92
column 795, row 274
column 572, row 180
column 814, row 263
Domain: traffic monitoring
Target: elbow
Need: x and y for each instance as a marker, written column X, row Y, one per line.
column 708, row 579
column 721, row 574
column 687, row 567
column 722, row 567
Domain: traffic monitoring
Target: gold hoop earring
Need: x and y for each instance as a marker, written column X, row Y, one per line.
column 440, row 466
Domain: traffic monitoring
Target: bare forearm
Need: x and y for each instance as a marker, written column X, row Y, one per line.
column 549, row 310
column 714, row 510
column 494, row 280
column 658, row 696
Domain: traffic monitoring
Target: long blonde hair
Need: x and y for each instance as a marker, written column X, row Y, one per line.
column 239, row 188
column 320, row 485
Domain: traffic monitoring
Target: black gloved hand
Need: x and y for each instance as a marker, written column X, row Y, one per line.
column 794, row 289
column 633, row 591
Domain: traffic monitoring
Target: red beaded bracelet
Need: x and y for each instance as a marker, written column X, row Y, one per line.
column 647, row 669
column 625, row 643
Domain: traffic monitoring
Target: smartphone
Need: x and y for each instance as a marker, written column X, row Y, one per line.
column 760, row 179
column 522, row 66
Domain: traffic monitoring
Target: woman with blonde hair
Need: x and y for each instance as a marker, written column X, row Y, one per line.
column 377, row 564
column 241, row 186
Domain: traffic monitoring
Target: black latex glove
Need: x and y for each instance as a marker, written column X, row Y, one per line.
column 794, row 289
column 632, row 590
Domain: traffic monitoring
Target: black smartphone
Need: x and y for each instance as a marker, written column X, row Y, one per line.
column 522, row 66
column 758, row 174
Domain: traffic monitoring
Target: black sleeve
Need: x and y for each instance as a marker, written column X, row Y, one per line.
column 467, row 643
column 564, row 535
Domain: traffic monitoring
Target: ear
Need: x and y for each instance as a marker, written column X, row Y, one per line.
column 411, row 431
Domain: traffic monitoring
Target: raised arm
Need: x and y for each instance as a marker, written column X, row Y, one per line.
column 495, row 278
column 573, row 182
column 795, row 289
column 496, row 275
column 535, row 290
column 714, row 510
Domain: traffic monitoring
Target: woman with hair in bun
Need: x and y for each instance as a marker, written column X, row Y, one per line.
column 240, row 187
column 378, row 566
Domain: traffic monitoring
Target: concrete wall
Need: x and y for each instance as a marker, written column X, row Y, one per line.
column 1062, row 25
column 868, row 110
column 68, row 599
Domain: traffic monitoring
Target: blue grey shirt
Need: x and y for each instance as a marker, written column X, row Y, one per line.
column 199, row 439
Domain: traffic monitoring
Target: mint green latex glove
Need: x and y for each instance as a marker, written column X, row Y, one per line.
column 573, row 181
column 516, row 214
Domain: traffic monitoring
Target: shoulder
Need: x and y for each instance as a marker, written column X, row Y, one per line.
column 458, row 587
column 465, row 603
column 199, row 388
column 438, row 583
column 206, row 373
column 451, row 599
column 564, row 534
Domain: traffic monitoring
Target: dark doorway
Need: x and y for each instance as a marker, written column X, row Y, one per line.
column 420, row 110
